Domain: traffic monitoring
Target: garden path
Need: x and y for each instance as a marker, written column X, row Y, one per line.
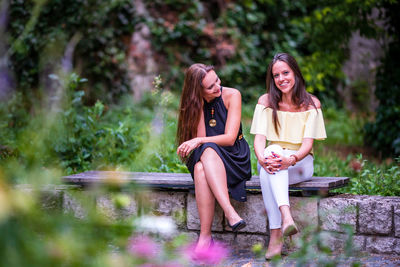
column 245, row 258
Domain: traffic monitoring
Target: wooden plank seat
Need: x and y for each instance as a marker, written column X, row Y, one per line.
column 156, row 180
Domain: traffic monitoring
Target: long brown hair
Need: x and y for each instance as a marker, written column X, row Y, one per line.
column 300, row 97
column 191, row 104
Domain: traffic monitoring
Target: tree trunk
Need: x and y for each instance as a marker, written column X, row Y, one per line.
column 6, row 79
column 142, row 67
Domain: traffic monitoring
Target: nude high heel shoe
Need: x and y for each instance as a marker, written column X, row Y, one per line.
column 289, row 230
column 270, row 256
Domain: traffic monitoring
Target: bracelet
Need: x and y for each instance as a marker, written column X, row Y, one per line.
column 296, row 159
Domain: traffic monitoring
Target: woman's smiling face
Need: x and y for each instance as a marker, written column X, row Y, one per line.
column 211, row 86
column 283, row 77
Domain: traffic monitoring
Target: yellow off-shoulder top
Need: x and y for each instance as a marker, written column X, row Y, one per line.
column 294, row 126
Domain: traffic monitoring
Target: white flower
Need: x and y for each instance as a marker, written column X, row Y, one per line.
column 156, row 224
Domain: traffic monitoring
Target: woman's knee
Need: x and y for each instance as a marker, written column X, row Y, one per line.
column 199, row 176
column 308, row 166
column 198, row 168
column 302, row 171
column 277, row 149
column 209, row 154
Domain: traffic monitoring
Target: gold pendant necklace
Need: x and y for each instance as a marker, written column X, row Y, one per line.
column 212, row 121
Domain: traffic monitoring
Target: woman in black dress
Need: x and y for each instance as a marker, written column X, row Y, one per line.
column 212, row 145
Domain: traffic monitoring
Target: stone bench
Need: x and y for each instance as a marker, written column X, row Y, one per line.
column 374, row 220
column 183, row 181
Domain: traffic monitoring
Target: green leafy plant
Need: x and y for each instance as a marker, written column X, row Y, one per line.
column 373, row 180
column 313, row 248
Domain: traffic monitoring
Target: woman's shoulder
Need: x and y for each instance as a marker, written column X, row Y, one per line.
column 263, row 100
column 229, row 93
column 316, row 101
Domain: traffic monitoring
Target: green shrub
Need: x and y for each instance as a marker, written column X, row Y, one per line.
column 14, row 117
column 342, row 127
column 375, row 180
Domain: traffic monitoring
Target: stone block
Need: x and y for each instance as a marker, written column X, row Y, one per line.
column 375, row 216
column 169, row 204
column 226, row 238
column 191, row 236
column 246, row 241
column 193, row 220
column 51, row 200
column 359, row 242
column 51, row 197
column 335, row 212
column 72, row 205
column 243, row 241
column 253, row 212
column 383, row 245
column 335, row 241
column 397, row 220
column 106, row 205
column 304, row 211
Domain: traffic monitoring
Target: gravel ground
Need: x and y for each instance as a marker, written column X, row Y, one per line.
column 246, row 258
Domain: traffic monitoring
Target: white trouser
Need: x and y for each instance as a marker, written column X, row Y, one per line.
column 275, row 187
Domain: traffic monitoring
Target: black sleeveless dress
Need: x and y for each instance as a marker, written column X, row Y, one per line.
column 236, row 158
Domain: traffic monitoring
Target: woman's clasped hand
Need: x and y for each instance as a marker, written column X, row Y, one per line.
column 275, row 162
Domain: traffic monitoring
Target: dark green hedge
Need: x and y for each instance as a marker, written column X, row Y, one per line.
column 384, row 133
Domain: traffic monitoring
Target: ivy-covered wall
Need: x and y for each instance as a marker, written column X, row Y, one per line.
column 384, row 133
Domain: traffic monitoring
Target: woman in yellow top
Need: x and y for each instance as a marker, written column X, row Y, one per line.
column 290, row 119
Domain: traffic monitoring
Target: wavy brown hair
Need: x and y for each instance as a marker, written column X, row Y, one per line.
column 300, row 97
column 191, row 104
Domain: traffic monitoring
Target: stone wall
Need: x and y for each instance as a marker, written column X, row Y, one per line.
column 375, row 220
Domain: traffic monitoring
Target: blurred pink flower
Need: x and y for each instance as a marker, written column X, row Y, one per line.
column 168, row 264
column 214, row 254
column 143, row 246
column 172, row 264
column 356, row 165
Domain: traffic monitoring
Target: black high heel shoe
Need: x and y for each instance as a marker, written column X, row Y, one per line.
column 237, row 226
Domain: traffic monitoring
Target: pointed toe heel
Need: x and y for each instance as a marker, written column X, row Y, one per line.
column 289, row 230
column 269, row 257
column 237, row 226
